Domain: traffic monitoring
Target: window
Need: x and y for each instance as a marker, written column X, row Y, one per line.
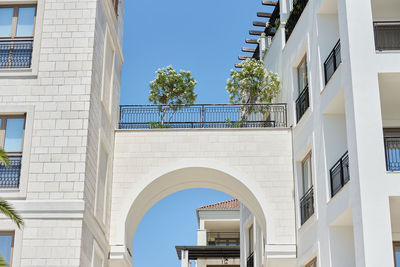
column 303, row 101
column 17, row 26
column 307, row 199
column 101, row 188
column 312, row 263
column 392, row 149
column 108, row 73
column 12, row 130
column 396, row 251
column 251, row 239
column 6, row 246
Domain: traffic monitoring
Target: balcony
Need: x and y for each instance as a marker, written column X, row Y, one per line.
column 387, row 35
column 307, row 205
column 9, row 177
column 332, row 62
column 203, row 116
column 339, row 174
column 302, row 103
column 226, row 239
column 392, row 151
column 250, row 260
column 15, row 54
column 295, row 14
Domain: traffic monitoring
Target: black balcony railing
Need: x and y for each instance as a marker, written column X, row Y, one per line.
column 226, row 239
column 392, row 149
column 250, row 260
column 339, row 174
column 387, row 35
column 16, row 54
column 307, row 205
column 298, row 7
column 302, row 103
column 203, row 116
column 9, row 176
column 332, row 62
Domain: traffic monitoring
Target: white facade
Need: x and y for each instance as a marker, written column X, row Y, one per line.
column 84, row 186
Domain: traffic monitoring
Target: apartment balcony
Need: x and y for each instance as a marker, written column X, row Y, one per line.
column 295, row 14
column 392, row 149
column 307, row 205
column 9, row 176
column 203, row 116
column 227, row 239
column 387, row 35
column 339, row 174
column 332, row 62
column 250, row 260
column 15, row 54
column 302, row 103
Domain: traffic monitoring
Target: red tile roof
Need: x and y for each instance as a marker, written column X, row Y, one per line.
column 232, row 204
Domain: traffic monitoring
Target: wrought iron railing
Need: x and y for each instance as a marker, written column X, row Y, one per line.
column 250, row 260
column 302, row 103
column 392, row 148
column 203, row 116
column 9, row 176
column 223, row 239
column 307, row 205
column 15, row 54
column 332, row 62
column 339, row 174
column 298, row 7
column 387, row 35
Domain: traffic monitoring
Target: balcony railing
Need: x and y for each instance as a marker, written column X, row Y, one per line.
column 307, row 205
column 226, row 239
column 9, row 176
column 302, row 103
column 250, row 260
column 203, row 116
column 387, row 35
column 392, row 148
column 340, row 174
column 298, row 7
column 15, row 54
column 332, row 62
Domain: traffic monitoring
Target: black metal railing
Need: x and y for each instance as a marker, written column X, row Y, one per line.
column 16, row 54
column 392, row 149
column 332, row 62
column 223, row 239
column 307, row 205
column 203, row 116
column 302, row 103
column 387, row 35
column 298, row 7
column 339, row 174
column 9, row 176
column 250, row 260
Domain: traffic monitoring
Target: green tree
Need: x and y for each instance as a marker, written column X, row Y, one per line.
column 172, row 90
column 6, row 208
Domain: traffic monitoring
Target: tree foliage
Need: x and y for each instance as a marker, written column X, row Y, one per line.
column 253, row 84
column 171, row 90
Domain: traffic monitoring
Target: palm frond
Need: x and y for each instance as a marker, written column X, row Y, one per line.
column 4, row 158
column 8, row 210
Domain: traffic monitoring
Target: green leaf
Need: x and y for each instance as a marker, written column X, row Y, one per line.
column 4, row 158
column 3, row 262
column 8, row 210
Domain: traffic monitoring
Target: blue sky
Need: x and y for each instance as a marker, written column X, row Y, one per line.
column 204, row 37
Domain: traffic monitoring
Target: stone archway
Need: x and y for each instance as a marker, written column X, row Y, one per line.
column 143, row 177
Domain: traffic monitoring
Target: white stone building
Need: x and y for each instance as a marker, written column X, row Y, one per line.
column 320, row 173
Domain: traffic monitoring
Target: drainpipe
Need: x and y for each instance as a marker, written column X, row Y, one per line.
column 262, row 42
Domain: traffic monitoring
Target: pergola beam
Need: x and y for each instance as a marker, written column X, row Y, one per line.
column 269, row 3
column 264, row 15
column 248, row 49
column 251, row 41
column 253, row 32
column 244, row 57
column 260, row 23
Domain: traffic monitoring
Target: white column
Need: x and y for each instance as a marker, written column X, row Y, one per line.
column 369, row 201
column 185, row 258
